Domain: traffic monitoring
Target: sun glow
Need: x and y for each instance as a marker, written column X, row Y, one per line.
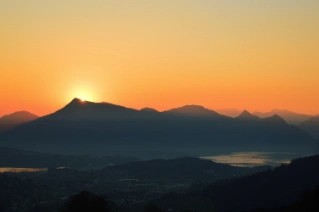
column 254, row 55
column 84, row 93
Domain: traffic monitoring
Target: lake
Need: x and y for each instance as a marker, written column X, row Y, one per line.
column 19, row 170
column 251, row 159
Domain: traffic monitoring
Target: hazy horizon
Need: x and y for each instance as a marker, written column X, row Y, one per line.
column 254, row 55
column 232, row 112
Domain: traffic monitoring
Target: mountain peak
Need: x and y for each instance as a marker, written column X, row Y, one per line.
column 77, row 101
column 193, row 110
column 289, row 116
column 82, row 109
column 246, row 115
column 276, row 119
column 148, row 109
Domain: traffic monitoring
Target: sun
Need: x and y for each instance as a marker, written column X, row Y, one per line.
column 84, row 96
column 84, row 93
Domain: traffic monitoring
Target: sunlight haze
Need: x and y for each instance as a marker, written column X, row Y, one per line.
column 255, row 55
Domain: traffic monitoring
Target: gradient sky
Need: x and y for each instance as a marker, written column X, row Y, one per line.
column 245, row 54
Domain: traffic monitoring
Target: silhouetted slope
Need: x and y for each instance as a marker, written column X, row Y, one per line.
column 15, row 119
column 87, row 127
column 311, row 126
column 289, row 116
column 308, row 201
column 278, row 187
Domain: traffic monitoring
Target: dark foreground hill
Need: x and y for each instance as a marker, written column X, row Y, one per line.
column 103, row 128
column 277, row 188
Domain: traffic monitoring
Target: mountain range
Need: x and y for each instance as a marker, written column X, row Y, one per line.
column 288, row 116
column 83, row 127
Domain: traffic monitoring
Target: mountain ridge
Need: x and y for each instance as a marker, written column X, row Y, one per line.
column 193, row 110
column 289, row 116
column 246, row 115
column 88, row 127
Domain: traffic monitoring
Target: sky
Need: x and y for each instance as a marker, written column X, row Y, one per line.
column 244, row 54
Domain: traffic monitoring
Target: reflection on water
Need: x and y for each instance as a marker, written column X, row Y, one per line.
column 250, row 159
column 18, row 170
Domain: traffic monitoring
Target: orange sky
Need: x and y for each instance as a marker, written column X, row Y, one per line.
column 255, row 55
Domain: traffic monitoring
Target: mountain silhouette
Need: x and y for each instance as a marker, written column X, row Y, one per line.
column 275, row 119
column 79, row 109
column 289, row 116
column 15, row 119
column 152, row 110
column 311, row 126
column 194, row 111
column 245, row 115
column 105, row 128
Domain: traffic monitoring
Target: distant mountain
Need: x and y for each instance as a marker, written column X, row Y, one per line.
column 149, row 110
column 245, row 115
column 289, row 116
column 83, row 127
column 195, row 111
column 311, row 126
column 281, row 186
column 15, row 119
column 231, row 112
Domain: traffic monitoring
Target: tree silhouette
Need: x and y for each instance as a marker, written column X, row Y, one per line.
column 86, row 201
column 152, row 208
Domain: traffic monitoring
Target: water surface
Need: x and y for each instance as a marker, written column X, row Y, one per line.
column 19, row 170
column 251, row 159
